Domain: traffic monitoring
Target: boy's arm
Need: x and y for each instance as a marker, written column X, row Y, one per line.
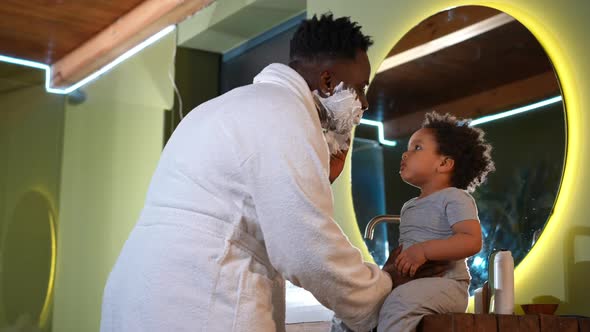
column 465, row 242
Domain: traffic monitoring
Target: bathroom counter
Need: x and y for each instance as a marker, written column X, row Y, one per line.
column 302, row 307
column 499, row 323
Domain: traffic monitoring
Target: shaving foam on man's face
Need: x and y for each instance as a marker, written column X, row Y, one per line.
column 343, row 111
column 343, row 107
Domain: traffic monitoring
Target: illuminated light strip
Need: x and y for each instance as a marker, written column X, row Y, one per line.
column 475, row 122
column 379, row 126
column 445, row 41
column 46, row 310
column 136, row 49
column 515, row 111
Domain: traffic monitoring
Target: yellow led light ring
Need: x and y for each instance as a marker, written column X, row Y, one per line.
column 573, row 121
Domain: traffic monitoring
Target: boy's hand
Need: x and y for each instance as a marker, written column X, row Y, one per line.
column 410, row 260
column 389, row 267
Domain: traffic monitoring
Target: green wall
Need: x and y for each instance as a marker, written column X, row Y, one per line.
column 92, row 160
column 112, row 143
column 31, row 133
column 197, row 80
column 560, row 263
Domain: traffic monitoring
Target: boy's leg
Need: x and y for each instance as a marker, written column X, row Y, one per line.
column 407, row 304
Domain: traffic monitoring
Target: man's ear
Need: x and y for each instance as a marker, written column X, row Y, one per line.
column 325, row 85
column 446, row 165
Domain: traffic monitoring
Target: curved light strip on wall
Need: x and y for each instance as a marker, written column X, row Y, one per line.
column 136, row 49
column 46, row 310
column 484, row 119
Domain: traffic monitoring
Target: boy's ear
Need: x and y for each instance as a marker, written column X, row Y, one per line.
column 446, row 165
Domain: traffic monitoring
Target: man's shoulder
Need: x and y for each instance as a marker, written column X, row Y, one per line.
column 261, row 97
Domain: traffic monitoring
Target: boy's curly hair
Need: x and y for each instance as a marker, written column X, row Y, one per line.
column 327, row 37
column 465, row 145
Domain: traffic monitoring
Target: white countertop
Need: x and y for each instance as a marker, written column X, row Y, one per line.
column 303, row 307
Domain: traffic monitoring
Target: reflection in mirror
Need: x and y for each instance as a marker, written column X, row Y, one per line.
column 473, row 62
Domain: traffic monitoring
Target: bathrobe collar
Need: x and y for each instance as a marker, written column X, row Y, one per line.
column 283, row 75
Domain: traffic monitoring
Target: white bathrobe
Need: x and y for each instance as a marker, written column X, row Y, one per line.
column 241, row 201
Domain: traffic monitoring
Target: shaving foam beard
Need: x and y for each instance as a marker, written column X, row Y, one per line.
column 343, row 109
column 339, row 113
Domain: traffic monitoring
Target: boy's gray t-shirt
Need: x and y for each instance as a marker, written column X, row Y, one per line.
column 431, row 217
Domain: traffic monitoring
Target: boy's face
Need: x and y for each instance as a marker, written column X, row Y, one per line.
column 420, row 163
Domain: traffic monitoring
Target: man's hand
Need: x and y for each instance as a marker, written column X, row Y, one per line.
column 428, row 269
column 411, row 259
column 389, row 267
column 337, row 164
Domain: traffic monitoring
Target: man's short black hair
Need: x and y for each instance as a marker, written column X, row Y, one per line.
column 326, row 37
column 465, row 145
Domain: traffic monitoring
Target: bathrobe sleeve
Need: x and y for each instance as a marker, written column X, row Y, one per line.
column 288, row 179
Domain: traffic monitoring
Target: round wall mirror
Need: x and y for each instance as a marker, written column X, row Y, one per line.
column 473, row 62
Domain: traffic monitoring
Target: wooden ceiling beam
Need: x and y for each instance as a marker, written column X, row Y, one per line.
column 503, row 98
column 131, row 29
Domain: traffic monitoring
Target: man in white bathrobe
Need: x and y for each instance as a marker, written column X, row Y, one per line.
column 241, row 201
